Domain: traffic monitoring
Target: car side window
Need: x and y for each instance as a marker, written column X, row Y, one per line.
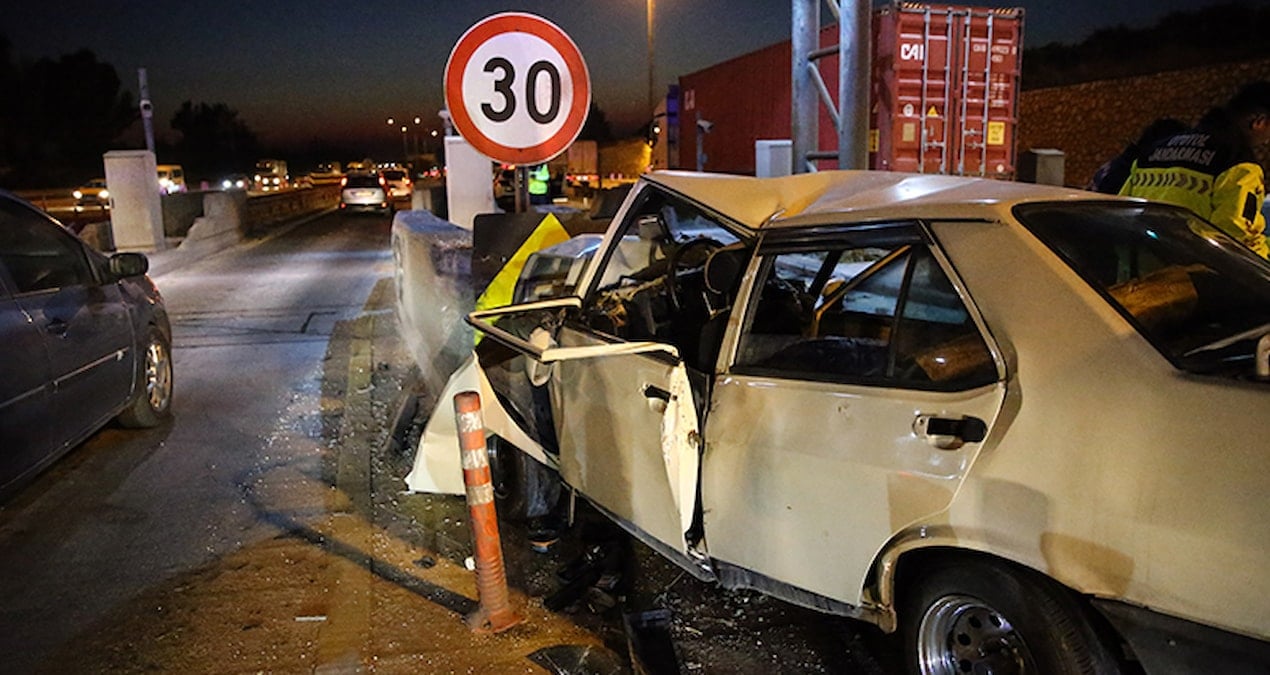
column 37, row 253
column 652, row 283
column 883, row 314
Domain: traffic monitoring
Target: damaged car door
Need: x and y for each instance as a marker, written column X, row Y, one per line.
column 626, row 365
column 860, row 389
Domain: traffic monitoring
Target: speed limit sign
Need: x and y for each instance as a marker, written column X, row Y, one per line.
column 517, row 88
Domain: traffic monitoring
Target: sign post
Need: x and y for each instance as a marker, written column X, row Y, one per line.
column 517, row 88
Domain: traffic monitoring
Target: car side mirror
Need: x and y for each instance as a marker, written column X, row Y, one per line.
column 124, row 265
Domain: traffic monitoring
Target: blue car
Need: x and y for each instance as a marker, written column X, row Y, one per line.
column 85, row 337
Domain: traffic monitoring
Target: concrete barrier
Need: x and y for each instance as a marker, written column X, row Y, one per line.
column 180, row 209
column 432, row 266
column 266, row 211
column 220, row 225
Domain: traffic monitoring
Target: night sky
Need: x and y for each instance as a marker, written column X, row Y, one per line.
column 336, row 70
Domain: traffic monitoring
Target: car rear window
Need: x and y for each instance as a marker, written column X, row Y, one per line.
column 1196, row 294
column 877, row 313
column 394, row 175
column 362, row 181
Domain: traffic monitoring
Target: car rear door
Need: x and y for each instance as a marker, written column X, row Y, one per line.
column 860, row 390
column 85, row 326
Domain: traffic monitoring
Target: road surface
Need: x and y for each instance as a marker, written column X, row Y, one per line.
column 266, row 528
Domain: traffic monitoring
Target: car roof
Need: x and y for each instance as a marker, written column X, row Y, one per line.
column 830, row 196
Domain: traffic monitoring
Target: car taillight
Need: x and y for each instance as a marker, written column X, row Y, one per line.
column 344, row 181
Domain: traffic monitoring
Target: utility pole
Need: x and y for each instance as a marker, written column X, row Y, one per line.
column 652, row 107
column 147, row 109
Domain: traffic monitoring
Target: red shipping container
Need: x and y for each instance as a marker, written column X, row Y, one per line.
column 945, row 89
column 923, row 56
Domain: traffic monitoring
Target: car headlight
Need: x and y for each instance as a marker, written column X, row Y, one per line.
column 103, row 195
column 77, row 194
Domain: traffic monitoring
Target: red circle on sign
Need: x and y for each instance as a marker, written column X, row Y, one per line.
column 517, row 22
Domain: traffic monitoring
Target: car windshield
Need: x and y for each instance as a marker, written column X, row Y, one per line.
column 1195, row 293
column 362, row 182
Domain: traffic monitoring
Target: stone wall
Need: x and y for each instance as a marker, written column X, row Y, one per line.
column 1094, row 121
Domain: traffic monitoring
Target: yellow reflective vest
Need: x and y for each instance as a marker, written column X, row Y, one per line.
column 1206, row 173
column 539, row 177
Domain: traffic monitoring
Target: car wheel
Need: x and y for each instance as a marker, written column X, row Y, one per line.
column 976, row 616
column 523, row 488
column 152, row 402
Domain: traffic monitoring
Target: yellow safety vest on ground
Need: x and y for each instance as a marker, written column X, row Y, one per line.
column 1200, row 172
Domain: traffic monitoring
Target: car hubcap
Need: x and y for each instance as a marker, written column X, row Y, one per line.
column 961, row 634
column 158, row 376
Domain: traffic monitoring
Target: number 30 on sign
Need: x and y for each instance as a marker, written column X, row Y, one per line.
column 517, row 88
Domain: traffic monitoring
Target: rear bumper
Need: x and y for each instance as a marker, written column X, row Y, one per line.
column 1164, row 644
column 372, row 206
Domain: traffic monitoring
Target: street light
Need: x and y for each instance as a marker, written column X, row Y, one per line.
column 651, row 107
column 405, row 140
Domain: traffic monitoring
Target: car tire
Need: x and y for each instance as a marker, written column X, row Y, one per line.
column 975, row 615
column 152, row 401
column 523, row 487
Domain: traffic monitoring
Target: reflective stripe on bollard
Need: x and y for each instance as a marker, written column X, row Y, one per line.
column 494, row 613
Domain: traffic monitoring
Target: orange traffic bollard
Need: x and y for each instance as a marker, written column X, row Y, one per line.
column 495, row 613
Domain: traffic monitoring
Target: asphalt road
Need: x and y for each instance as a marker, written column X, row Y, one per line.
column 266, row 528
column 130, row 511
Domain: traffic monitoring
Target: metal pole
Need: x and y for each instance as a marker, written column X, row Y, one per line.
column 652, row 108
column 854, row 48
column 147, row 109
column 805, row 118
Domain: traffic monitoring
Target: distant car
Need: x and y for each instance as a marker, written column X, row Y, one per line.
column 364, row 192
column 326, row 173
column 1025, row 427
column 398, row 182
column 92, row 195
column 87, row 340
column 272, row 175
column 236, row 181
column 171, row 178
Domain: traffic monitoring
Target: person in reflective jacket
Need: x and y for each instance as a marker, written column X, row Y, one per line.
column 1212, row 169
column 1110, row 177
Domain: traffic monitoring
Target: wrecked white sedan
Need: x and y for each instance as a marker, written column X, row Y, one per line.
column 1025, row 427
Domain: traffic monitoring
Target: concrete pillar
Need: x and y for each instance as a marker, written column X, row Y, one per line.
column 1036, row 165
column 773, row 158
column 136, row 214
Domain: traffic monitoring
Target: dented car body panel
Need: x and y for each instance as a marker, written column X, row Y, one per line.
column 889, row 364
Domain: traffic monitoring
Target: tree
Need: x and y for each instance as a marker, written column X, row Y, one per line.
column 214, row 141
column 1185, row 39
column 8, row 85
column 596, row 127
column 60, row 115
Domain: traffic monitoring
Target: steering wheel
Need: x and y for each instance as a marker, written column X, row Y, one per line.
column 682, row 258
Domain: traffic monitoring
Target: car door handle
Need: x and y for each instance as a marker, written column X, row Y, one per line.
column 656, row 397
column 948, row 433
column 56, row 327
